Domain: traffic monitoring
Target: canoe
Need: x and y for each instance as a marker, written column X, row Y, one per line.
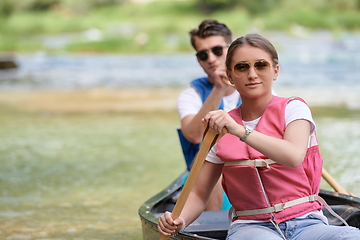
column 214, row 224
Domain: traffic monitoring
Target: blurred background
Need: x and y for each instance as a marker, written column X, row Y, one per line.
column 88, row 94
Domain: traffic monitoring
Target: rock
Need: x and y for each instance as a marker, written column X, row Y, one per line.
column 7, row 64
column 7, row 61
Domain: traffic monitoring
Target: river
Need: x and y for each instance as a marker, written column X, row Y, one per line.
column 322, row 68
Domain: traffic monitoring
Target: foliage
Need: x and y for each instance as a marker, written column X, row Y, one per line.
column 6, row 8
column 253, row 7
column 39, row 4
column 210, row 6
column 259, row 6
column 256, row 7
column 124, row 26
column 44, row 5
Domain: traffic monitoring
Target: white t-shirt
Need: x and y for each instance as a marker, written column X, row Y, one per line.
column 189, row 102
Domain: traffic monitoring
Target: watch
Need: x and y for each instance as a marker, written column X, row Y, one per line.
column 247, row 133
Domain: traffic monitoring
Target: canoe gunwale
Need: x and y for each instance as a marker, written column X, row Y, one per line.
column 165, row 200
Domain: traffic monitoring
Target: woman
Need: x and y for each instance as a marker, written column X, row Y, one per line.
column 270, row 159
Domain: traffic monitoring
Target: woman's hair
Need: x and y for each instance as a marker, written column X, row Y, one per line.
column 210, row 28
column 254, row 40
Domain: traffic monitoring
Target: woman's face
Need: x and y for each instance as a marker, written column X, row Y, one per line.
column 252, row 71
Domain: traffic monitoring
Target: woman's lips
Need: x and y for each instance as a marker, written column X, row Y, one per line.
column 252, row 85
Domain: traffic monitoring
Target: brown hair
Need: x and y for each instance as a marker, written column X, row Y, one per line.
column 254, row 40
column 210, row 28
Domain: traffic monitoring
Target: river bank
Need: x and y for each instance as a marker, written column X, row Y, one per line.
column 98, row 100
column 105, row 100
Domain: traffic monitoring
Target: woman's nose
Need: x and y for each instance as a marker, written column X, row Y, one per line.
column 252, row 72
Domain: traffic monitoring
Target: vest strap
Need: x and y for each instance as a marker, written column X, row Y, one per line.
column 254, row 162
column 332, row 211
column 277, row 207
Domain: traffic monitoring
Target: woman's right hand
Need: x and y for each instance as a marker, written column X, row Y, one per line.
column 219, row 119
column 169, row 227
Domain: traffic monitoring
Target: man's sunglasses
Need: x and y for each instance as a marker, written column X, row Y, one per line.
column 204, row 54
column 262, row 67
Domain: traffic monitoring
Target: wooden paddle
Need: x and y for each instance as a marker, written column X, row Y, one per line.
column 227, row 82
column 331, row 181
column 210, row 137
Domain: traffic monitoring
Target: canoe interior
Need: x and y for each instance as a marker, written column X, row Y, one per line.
column 214, row 224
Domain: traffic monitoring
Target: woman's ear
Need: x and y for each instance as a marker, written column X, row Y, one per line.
column 229, row 80
column 228, row 74
column 276, row 71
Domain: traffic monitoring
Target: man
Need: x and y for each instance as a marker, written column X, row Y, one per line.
column 210, row 40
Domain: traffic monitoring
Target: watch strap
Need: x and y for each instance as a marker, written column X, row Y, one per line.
column 247, row 133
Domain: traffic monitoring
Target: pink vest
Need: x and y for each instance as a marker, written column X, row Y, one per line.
column 280, row 183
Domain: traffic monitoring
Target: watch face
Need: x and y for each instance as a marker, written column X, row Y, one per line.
column 247, row 132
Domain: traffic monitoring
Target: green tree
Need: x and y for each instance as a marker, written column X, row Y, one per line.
column 6, row 9
column 210, row 6
column 252, row 6
column 40, row 5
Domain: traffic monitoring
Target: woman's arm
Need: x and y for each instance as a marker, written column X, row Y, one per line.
column 196, row 202
column 289, row 151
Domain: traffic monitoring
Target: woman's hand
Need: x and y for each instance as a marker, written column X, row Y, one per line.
column 219, row 119
column 169, row 227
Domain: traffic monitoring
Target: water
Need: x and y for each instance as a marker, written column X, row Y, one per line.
column 319, row 67
column 43, row 71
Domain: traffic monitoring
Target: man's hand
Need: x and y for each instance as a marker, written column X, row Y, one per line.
column 218, row 75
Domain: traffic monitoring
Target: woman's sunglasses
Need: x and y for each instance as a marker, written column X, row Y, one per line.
column 262, row 67
column 204, row 54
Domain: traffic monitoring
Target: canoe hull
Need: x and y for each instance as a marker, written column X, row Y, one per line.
column 214, row 224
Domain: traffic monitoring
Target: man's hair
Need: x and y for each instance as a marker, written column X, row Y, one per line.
column 210, row 28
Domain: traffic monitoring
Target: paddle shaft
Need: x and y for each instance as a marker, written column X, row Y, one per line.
column 210, row 137
column 331, row 181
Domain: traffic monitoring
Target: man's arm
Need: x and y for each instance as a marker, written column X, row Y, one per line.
column 191, row 125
